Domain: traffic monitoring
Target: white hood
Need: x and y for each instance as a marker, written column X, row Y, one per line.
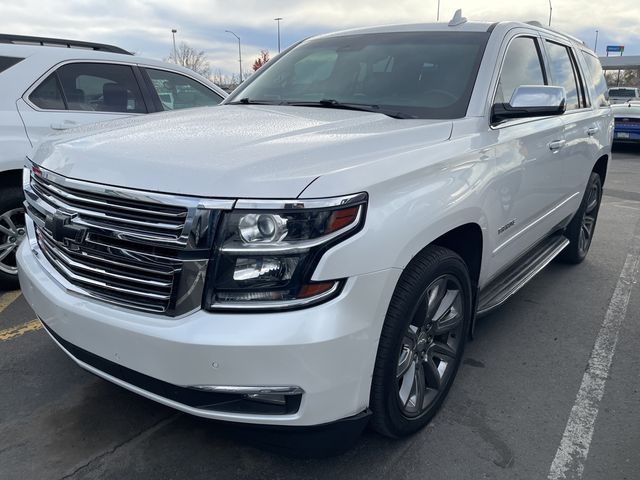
column 232, row 150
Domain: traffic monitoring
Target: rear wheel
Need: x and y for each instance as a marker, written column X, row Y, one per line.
column 583, row 225
column 12, row 231
column 422, row 342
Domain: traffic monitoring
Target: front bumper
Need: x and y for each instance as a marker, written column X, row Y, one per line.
column 328, row 350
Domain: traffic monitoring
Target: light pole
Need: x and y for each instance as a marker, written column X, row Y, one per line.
column 550, row 11
column 278, row 20
column 175, row 54
column 239, row 52
column 595, row 48
column 438, row 13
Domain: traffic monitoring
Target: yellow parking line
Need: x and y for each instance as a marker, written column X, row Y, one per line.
column 8, row 298
column 20, row 330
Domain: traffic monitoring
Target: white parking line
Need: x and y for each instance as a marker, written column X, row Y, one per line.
column 574, row 447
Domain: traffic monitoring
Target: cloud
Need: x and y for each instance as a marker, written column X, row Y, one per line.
column 145, row 26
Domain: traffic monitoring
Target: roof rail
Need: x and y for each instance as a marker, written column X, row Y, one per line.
column 60, row 42
column 536, row 23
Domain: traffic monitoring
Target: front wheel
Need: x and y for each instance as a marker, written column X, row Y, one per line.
column 583, row 225
column 12, row 231
column 422, row 342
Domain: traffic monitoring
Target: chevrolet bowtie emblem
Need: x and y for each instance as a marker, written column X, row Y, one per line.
column 61, row 229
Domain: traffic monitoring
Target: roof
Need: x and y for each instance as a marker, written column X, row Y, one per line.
column 413, row 27
column 445, row 27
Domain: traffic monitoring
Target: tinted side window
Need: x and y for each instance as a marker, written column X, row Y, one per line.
column 177, row 91
column 562, row 73
column 596, row 81
column 48, row 95
column 101, row 87
column 8, row 62
column 522, row 66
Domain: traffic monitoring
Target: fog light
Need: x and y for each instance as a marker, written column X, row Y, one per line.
column 268, row 398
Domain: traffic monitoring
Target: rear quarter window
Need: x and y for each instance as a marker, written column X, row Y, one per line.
column 8, row 62
column 48, row 95
column 595, row 80
column 623, row 92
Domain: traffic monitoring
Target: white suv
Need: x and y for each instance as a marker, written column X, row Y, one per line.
column 317, row 248
column 47, row 89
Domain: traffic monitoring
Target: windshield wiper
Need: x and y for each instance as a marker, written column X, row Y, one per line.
column 248, row 101
column 359, row 107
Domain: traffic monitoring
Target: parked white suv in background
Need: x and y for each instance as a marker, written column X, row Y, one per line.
column 47, row 89
column 317, row 248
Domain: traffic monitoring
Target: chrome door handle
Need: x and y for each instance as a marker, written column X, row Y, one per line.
column 592, row 131
column 63, row 126
column 557, row 144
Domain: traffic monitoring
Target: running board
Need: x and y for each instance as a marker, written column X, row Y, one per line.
column 517, row 276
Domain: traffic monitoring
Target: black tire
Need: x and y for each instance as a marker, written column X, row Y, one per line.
column 409, row 307
column 11, row 208
column 582, row 227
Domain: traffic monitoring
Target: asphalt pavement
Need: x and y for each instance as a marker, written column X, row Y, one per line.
column 526, row 401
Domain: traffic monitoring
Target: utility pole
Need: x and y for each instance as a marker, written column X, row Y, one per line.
column 595, row 47
column 278, row 20
column 175, row 52
column 438, row 13
column 239, row 52
column 550, row 11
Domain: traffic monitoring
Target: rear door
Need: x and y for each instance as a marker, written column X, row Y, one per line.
column 79, row 93
column 583, row 127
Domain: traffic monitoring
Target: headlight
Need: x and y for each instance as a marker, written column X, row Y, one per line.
column 266, row 252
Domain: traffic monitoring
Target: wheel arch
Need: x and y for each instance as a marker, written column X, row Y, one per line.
column 11, row 178
column 601, row 167
column 467, row 241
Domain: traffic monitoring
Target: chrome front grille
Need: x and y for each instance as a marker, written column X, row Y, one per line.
column 138, row 250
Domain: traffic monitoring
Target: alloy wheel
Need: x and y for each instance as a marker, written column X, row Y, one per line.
column 12, row 232
column 430, row 347
column 589, row 218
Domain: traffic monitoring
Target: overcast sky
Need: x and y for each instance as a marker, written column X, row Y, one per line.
column 144, row 26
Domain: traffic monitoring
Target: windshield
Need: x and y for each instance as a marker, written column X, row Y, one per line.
column 622, row 92
column 417, row 74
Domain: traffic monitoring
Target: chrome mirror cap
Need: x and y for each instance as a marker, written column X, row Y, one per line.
column 536, row 96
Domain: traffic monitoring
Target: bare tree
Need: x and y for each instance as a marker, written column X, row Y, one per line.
column 623, row 78
column 261, row 60
column 189, row 57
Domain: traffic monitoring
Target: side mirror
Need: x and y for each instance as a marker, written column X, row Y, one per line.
column 531, row 101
